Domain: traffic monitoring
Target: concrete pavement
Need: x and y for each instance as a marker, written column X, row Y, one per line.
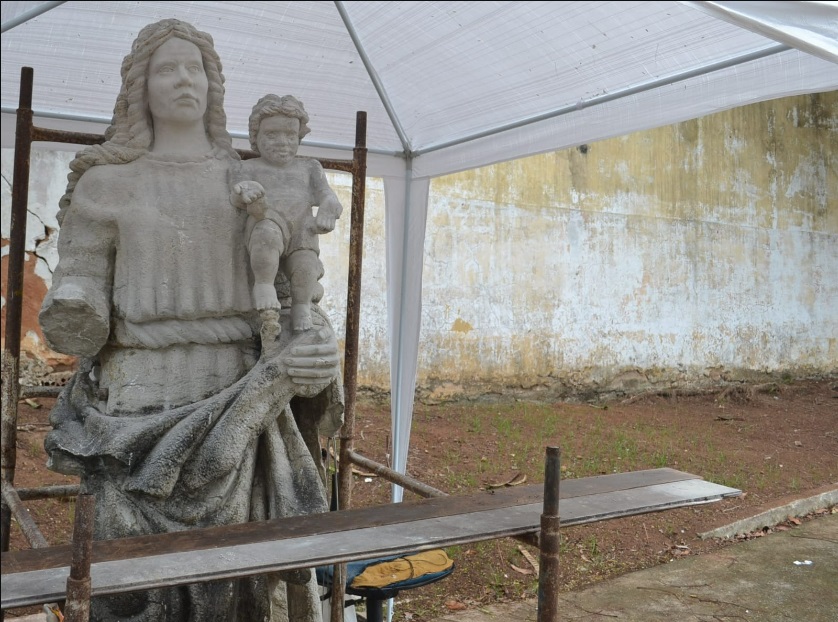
column 761, row 580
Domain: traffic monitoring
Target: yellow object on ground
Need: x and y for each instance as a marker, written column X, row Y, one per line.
column 403, row 569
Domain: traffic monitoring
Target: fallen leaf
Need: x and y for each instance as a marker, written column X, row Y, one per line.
column 32, row 403
column 454, row 605
column 519, row 479
column 530, row 559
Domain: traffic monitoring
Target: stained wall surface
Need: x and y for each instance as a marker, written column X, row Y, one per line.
column 696, row 252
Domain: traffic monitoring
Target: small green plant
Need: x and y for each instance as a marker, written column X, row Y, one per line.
column 35, row 448
column 592, row 546
column 564, row 546
column 475, row 425
column 504, row 426
column 71, row 512
column 660, row 459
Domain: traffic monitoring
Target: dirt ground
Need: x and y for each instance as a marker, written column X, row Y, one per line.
column 776, row 442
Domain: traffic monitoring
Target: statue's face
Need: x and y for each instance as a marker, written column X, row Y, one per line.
column 278, row 139
column 177, row 83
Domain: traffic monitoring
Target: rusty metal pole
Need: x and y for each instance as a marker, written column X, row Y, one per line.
column 25, row 521
column 14, row 295
column 353, row 307
column 350, row 363
column 549, row 542
column 405, row 481
column 77, row 607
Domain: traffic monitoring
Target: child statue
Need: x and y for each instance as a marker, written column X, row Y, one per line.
column 279, row 190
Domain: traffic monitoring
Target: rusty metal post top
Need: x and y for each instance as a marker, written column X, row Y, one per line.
column 552, row 475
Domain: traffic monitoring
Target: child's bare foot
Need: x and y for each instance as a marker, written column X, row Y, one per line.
column 301, row 317
column 264, row 296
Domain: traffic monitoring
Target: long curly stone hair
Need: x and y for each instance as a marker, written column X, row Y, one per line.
column 131, row 132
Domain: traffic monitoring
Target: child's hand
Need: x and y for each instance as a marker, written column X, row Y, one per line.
column 328, row 212
column 324, row 221
column 246, row 192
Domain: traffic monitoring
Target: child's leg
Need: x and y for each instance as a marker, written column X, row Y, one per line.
column 304, row 268
column 265, row 247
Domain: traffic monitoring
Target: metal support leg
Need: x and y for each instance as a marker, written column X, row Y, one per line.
column 78, row 583
column 375, row 610
column 549, row 542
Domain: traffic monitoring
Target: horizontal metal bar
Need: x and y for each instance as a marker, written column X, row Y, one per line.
column 68, row 491
column 405, row 481
column 29, row 391
column 24, row 520
column 30, row 14
column 105, row 121
column 609, row 97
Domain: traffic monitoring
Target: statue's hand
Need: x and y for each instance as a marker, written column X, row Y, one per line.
column 324, row 222
column 246, row 192
column 313, row 362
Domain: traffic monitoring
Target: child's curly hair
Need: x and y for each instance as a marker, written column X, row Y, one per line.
column 273, row 105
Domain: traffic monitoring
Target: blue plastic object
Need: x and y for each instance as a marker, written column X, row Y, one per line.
column 353, row 569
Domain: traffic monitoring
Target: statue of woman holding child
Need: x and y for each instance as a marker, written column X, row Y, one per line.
column 177, row 419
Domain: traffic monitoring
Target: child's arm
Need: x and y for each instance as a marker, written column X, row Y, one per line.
column 329, row 207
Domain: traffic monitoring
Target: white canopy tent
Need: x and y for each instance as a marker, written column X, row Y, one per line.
column 447, row 86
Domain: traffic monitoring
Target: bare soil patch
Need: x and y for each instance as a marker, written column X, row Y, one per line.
column 775, row 442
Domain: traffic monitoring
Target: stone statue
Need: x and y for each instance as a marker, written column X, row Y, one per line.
column 180, row 416
column 281, row 224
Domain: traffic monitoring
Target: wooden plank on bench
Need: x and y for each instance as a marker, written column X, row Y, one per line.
column 30, row 577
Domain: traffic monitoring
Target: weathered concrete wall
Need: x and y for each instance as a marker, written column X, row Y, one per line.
column 687, row 254
column 47, row 181
column 704, row 249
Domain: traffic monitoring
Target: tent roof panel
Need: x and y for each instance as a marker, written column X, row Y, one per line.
column 449, row 70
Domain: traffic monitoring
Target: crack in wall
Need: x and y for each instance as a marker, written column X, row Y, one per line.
column 39, row 241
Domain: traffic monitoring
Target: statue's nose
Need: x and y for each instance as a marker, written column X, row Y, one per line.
column 183, row 76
